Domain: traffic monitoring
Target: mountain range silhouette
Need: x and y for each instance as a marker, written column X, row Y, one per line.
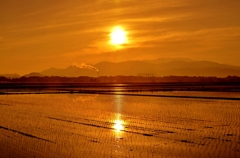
column 158, row 67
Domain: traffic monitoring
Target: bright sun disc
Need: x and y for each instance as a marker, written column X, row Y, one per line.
column 118, row 36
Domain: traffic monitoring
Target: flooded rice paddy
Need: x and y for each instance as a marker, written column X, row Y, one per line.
column 117, row 125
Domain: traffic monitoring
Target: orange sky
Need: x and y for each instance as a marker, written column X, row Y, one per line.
column 36, row 35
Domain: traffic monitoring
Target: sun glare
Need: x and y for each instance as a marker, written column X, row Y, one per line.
column 118, row 36
column 118, row 126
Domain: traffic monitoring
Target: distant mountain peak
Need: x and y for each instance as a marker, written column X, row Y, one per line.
column 72, row 71
column 33, row 74
column 10, row 75
column 166, row 60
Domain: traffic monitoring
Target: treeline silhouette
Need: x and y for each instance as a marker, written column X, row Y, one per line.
column 119, row 79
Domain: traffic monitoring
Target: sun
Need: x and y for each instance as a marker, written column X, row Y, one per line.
column 118, row 36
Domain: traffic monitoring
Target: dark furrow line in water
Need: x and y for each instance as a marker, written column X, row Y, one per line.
column 98, row 126
column 126, row 126
column 119, row 93
column 25, row 134
column 173, row 96
column 5, row 104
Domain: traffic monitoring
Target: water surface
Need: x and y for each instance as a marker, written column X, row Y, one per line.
column 73, row 125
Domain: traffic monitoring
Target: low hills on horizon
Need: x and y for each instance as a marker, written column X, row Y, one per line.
column 158, row 68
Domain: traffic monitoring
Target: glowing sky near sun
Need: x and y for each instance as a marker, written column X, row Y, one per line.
column 37, row 35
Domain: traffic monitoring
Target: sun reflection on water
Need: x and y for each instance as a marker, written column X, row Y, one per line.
column 118, row 125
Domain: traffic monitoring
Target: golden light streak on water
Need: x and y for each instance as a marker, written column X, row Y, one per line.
column 118, row 125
